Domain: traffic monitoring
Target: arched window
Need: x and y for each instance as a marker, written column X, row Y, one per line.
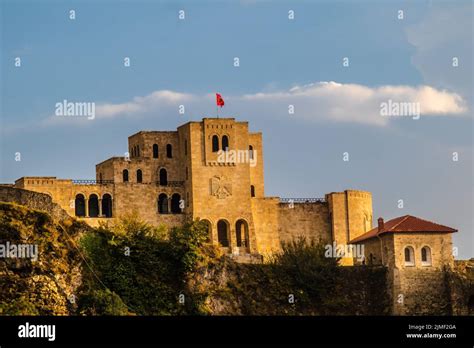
column 163, row 204
column 80, row 205
column 242, row 233
column 409, row 256
column 138, row 151
column 223, row 233
column 125, row 175
column 185, row 147
column 175, row 209
column 208, row 226
column 163, row 177
column 425, row 256
column 155, row 151
column 225, row 143
column 107, row 205
column 251, row 152
column 215, row 143
column 252, row 191
column 93, row 206
column 139, row 176
column 169, row 151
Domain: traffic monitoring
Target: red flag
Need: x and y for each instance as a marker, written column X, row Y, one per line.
column 219, row 100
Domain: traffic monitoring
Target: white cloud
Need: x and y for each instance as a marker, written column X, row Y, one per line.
column 321, row 101
column 153, row 101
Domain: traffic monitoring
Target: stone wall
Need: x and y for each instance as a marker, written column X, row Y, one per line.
column 461, row 286
column 307, row 220
column 351, row 216
column 421, row 289
column 33, row 200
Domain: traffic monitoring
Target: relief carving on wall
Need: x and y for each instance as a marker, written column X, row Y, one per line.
column 220, row 186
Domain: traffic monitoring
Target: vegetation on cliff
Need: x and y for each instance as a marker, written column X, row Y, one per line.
column 132, row 268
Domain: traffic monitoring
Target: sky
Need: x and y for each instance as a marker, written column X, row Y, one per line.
column 404, row 57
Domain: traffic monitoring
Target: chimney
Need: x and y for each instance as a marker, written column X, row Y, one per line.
column 380, row 224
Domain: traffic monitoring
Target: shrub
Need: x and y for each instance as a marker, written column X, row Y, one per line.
column 102, row 302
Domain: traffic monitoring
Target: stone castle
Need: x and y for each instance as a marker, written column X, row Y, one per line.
column 213, row 170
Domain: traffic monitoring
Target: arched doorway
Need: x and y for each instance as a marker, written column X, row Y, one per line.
column 107, row 205
column 223, row 233
column 80, row 205
column 163, row 177
column 93, row 205
column 175, row 209
column 242, row 235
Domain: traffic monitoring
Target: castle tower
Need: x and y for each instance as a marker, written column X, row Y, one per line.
column 350, row 214
column 225, row 172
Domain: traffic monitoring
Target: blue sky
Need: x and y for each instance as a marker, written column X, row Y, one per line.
column 282, row 62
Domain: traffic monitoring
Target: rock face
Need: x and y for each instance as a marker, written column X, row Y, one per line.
column 461, row 286
column 47, row 285
column 231, row 288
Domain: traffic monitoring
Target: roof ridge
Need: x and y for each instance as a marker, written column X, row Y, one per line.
column 402, row 220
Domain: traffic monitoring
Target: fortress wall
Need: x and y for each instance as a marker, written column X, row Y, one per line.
column 63, row 192
column 461, row 284
column 424, row 289
column 266, row 221
column 420, row 292
column 143, row 199
column 34, row 200
column 308, row 220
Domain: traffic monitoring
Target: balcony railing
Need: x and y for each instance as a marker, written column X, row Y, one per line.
column 92, row 182
column 170, row 183
column 302, row 200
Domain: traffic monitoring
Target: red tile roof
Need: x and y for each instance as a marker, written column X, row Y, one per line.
column 405, row 224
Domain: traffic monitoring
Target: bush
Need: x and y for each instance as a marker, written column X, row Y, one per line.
column 19, row 306
column 138, row 263
column 186, row 243
column 102, row 302
column 313, row 275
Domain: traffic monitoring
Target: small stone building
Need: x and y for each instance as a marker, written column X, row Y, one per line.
column 417, row 253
